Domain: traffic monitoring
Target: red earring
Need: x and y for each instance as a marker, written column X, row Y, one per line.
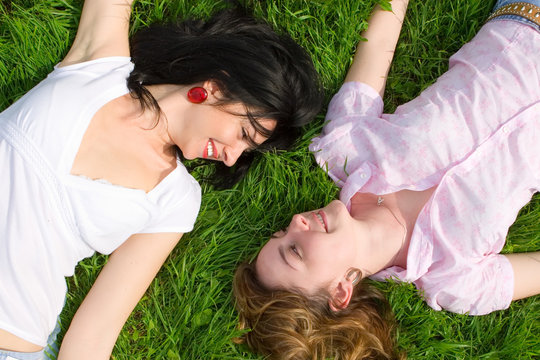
column 197, row 94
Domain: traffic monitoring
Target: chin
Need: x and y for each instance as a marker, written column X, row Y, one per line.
column 191, row 157
column 338, row 205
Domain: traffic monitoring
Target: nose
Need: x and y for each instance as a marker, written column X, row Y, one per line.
column 232, row 153
column 299, row 222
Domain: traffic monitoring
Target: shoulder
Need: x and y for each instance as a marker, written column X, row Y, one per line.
column 180, row 189
column 177, row 199
column 350, row 108
column 97, row 67
column 354, row 98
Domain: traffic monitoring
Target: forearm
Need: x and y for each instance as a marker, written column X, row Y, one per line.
column 121, row 283
column 374, row 56
column 95, row 326
column 526, row 268
column 76, row 347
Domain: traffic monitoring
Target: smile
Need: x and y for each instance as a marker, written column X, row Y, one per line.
column 209, row 151
column 321, row 221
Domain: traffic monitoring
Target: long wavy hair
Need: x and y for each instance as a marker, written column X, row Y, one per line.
column 271, row 75
column 287, row 325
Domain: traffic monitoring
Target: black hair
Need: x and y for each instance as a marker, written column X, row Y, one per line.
column 251, row 64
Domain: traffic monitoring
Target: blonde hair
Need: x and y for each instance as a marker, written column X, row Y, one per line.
column 287, row 325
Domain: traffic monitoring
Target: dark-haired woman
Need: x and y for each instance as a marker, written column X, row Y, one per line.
column 90, row 160
column 427, row 196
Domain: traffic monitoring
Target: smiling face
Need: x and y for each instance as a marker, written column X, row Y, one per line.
column 219, row 133
column 208, row 130
column 314, row 252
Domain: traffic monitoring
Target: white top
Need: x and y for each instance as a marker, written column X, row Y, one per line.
column 474, row 135
column 50, row 219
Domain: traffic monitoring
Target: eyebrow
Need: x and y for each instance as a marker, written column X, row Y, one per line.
column 284, row 230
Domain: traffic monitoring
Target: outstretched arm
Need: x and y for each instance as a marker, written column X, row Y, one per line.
column 121, row 283
column 374, row 56
column 103, row 31
column 526, row 268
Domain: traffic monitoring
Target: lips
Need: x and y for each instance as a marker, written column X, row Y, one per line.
column 321, row 219
column 210, row 150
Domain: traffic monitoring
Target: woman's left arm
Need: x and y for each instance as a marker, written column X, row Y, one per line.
column 121, row 283
column 103, row 31
column 373, row 57
column 526, row 268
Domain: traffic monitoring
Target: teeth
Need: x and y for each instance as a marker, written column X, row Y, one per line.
column 210, row 149
column 321, row 220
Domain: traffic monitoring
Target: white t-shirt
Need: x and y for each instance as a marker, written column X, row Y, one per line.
column 50, row 219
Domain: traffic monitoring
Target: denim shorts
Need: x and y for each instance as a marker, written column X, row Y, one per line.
column 521, row 19
column 48, row 353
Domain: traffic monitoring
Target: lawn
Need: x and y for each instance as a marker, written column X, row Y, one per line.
column 187, row 312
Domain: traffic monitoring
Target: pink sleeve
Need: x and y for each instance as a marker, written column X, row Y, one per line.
column 477, row 289
column 354, row 98
column 335, row 149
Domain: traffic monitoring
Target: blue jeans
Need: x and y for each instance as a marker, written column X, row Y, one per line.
column 521, row 19
column 49, row 352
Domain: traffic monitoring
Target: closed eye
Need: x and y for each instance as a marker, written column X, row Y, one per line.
column 295, row 251
column 245, row 136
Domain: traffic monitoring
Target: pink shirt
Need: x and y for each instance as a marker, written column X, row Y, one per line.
column 474, row 134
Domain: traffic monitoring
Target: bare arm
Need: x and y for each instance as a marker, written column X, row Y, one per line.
column 526, row 274
column 122, row 282
column 374, row 56
column 103, row 31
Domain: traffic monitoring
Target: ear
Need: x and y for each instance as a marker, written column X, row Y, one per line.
column 341, row 296
column 212, row 87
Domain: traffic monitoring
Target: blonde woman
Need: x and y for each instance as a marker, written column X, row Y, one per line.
column 427, row 196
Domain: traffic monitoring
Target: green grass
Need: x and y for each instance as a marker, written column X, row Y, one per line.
column 187, row 312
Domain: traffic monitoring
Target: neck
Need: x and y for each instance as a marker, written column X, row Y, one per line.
column 386, row 239
column 149, row 122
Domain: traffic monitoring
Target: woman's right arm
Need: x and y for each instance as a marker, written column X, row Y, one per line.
column 103, row 31
column 117, row 290
column 374, row 56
